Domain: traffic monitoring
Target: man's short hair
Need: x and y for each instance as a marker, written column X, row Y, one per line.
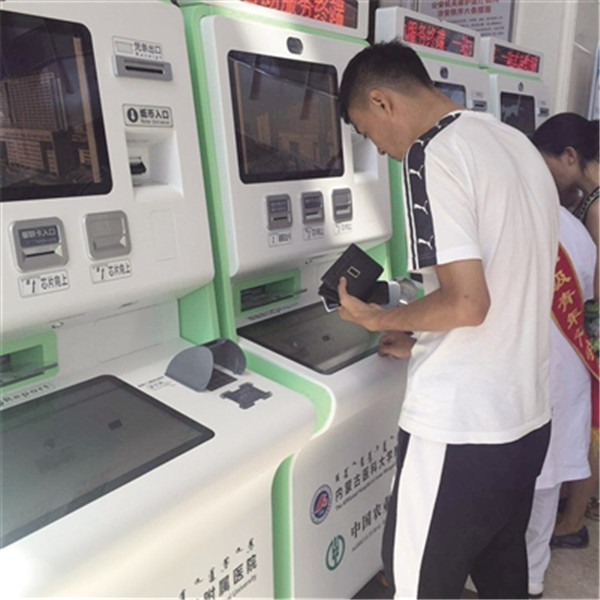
column 388, row 64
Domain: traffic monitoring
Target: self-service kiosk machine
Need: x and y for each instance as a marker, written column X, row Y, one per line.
column 518, row 93
column 450, row 54
column 290, row 188
column 133, row 463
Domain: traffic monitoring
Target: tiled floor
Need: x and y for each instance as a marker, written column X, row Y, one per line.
column 572, row 574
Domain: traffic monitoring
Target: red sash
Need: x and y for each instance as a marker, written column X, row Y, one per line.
column 567, row 310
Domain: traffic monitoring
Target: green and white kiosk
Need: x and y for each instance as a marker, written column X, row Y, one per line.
column 289, row 188
column 134, row 463
column 519, row 96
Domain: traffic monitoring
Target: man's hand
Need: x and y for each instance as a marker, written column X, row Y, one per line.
column 355, row 310
column 397, row 344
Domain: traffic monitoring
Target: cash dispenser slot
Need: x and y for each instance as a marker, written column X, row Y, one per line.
column 145, row 69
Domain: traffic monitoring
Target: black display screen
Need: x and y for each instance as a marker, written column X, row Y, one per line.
column 313, row 337
column 287, row 121
column 457, row 93
column 518, row 110
column 52, row 140
column 70, row 447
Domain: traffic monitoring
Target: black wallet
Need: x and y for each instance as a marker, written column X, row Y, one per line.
column 361, row 273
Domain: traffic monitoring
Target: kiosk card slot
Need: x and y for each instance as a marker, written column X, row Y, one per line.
column 40, row 243
column 312, row 208
column 279, row 209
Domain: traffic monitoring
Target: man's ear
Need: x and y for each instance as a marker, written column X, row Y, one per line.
column 381, row 100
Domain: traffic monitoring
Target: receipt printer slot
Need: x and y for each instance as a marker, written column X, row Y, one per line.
column 145, row 69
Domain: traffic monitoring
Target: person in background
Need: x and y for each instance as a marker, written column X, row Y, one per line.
column 570, row 385
column 569, row 144
column 481, row 211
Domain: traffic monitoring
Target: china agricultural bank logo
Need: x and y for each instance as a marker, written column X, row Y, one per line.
column 335, row 552
column 320, row 504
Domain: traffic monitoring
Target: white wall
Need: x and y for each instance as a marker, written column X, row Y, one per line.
column 566, row 31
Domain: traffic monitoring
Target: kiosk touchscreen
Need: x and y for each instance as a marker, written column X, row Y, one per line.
column 291, row 187
column 450, row 54
column 134, row 463
column 519, row 97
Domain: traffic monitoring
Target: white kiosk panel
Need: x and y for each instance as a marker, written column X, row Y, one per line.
column 88, row 235
column 519, row 96
column 288, row 195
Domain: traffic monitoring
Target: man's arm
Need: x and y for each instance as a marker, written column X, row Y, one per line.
column 462, row 300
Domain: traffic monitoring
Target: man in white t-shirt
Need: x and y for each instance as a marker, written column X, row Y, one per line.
column 481, row 214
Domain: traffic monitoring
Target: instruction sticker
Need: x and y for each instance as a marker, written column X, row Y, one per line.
column 313, row 233
column 109, row 271
column 141, row 115
column 138, row 49
column 341, row 228
column 43, row 284
column 280, row 239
